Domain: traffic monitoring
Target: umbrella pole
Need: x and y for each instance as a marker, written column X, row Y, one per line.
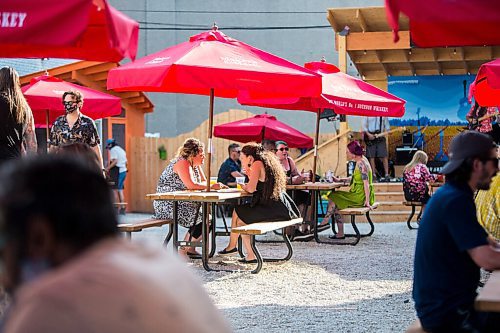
column 210, row 128
column 47, row 132
column 316, row 139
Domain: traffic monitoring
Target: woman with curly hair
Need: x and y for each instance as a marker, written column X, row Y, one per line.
column 267, row 182
column 184, row 173
column 360, row 195
column 17, row 127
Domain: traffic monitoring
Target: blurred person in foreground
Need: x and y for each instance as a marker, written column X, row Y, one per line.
column 452, row 246
column 70, row 272
column 17, row 126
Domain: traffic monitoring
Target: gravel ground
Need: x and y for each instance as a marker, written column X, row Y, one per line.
column 323, row 288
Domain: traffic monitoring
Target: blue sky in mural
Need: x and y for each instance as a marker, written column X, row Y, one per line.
column 440, row 100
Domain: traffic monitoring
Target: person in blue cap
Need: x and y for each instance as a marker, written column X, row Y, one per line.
column 117, row 159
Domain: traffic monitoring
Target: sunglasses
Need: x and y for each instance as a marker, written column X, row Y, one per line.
column 283, row 149
column 70, row 102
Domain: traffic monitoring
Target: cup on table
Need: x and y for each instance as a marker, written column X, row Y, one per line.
column 213, row 180
column 239, row 182
column 306, row 175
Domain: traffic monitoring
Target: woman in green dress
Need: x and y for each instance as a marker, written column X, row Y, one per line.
column 361, row 192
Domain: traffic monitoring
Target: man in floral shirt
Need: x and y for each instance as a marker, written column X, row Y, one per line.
column 74, row 126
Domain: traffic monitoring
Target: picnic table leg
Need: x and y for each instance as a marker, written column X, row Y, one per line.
column 356, row 230
column 204, row 232
column 372, row 226
column 257, row 255
column 175, row 226
column 408, row 222
column 314, row 206
column 129, row 235
column 169, row 234
column 213, row 245
column 419, row 216
column 289, row 254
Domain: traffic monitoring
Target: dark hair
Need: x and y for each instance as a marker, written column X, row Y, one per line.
column 80, row 150
column 231, row 147
column 71, row 196
column 463, row 172
column 10, row 90
column 75, row 93
column 275, row 175
column 355, row 148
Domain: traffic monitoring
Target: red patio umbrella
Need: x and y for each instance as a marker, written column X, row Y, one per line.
column 439, row 23
column 486, row 86
column 260, row 127
column 74, row 29
column 341, row 92
column 214, row 64
column 44, row 95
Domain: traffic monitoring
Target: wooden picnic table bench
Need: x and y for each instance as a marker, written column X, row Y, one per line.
column 414, row 205
column 261, row 228
column 352, row 213
column 139, row 225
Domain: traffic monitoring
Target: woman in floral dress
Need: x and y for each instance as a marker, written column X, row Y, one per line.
column 416, row 175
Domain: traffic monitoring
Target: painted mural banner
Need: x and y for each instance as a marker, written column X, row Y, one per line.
column 436, row 107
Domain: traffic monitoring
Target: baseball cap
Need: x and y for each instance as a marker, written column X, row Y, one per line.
column 464, row 145
column 110, row 142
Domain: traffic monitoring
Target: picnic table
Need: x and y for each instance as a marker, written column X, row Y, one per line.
column 488, row 299
column 205, row 198
column 315, row 189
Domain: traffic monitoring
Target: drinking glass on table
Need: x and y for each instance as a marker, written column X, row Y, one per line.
column 213, row 180
column 239, row 182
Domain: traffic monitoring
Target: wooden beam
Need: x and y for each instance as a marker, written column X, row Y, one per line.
column 330, row 17
column 134, row 100
column 407, row 56
column 361, row 20
column 381, row 61
column 377, row 41
column 101, row 67
column 342, row 40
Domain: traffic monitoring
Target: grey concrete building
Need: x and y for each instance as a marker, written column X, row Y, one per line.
column 293, row 29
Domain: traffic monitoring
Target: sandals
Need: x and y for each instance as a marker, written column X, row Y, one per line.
column 226, row 252
column 245, row 261
column 336, row 237
column 190, row 255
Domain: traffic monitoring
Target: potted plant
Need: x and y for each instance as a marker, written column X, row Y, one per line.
column 162, row 152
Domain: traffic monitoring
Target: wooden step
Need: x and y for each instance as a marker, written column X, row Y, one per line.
column 393, row 206
column 388, row 187
column 389, row 196
column 386, row 216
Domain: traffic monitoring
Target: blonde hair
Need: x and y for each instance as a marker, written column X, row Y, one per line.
column 419, row 157
column 10, row 89
column 190, row 148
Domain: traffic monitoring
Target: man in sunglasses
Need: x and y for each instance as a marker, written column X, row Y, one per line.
column 74, row 126
column 231, row 168
column 452, row 245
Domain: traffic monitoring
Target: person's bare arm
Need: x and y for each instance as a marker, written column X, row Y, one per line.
column 237, row 174
column 97, row 150
column 182, row 168
column 486, row 256
column 296, row 176
column 29, row 137
column 112, row 163
column 253, row 177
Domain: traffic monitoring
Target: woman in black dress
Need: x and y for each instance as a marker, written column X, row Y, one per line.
column 267, row 182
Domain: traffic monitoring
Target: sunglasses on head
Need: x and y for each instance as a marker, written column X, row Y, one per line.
column 283, row 149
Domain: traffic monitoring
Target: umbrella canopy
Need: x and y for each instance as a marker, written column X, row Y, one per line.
column 260, row 127
column 74, row 29
column 214, row 64
column 486, row 86
column 212, row 60
column 438, row 23
column 341, row 92
column 44, row 95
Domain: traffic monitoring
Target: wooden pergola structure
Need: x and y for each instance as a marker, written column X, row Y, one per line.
column 369, row 43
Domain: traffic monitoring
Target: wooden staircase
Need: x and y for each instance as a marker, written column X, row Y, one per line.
column 391, row 209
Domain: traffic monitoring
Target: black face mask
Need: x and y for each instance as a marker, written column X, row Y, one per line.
column 70, row 107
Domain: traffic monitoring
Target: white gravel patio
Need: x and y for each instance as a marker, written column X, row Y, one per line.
column 323, row 288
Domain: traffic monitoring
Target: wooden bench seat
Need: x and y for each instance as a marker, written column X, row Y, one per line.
column 352, row 213
column 261, row 228
column 139, row 225
column 415, row 327
column 413, row 205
